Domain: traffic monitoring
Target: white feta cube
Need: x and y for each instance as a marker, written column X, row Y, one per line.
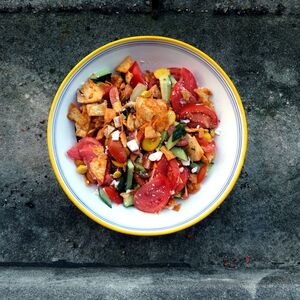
column 133, row 145
column 115, row 135
column 156, row 156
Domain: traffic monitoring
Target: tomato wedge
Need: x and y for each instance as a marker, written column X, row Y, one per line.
column 74, row 151
column 201, row 174
column 161, row 168
column 208, row 147
column 173, row 173
column 117, row 151
column 177, row 101
column 184, row 176
column 113, row 195
column 106, row 92
column 188, row 80
column 153, row 196
column 137, row 75
column 176, row 73
column 199, row 114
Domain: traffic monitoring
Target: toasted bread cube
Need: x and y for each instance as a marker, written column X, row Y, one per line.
column 125, row 65
column 90, row 93
column 96, row 110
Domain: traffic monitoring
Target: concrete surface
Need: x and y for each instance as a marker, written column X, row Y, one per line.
column 217, row 7
column 258, row 225
column 118, row 283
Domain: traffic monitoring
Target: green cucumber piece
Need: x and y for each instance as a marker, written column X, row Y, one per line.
column 130, row 169
column 179, row 132
column 139, row 167
column 122, row 184
column 170, row 144
column 101, row 76
column 128, row 201
column 165, row 87
column 173, row 80
column 195, row 165
column 179, row 152
column 103, row 196
column 163, row 136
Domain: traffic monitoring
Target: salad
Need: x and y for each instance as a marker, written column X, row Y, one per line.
column 146, row 139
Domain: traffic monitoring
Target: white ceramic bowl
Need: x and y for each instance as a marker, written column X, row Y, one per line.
column 152, row 52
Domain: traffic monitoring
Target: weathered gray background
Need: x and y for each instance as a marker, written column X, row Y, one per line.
column 258, row 226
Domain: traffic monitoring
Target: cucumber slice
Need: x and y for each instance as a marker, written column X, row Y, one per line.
column 195, row 165
column 103, row 196
column 128, row 201
column 163, row 136
column 170, row 144
column 179, row 152
column 101, row 76
column 139, row 167
column 130, row 169
column 122, row 184
column 173, row 80
column 165, row 87
column 179, row 132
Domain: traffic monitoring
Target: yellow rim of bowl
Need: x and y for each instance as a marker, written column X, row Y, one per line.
column 228, row 189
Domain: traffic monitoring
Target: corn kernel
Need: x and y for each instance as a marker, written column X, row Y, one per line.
column 146, row 94
column 117, row 174
column 207, row 136
column 171, row 117
column 161, row 72
column 82, row 169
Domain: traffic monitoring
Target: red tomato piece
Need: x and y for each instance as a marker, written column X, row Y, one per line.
column 208, row 147
column 153, row 81
column 176, row 73
column 188, row 79
column 114, row 95
column 201, row 174
column 199, row 114
column 87, row 154
column 177, row 101
column 184, row 176
column 113, row 195
column 138, row 76
column 176, row 97
column 106, row 92
column 161, row 168
column 74, row 152
column 117, row 151
column 153, row 196
column 173, row 173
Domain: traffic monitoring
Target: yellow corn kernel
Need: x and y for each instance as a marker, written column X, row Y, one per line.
column 161, row 72
column 117, row 164
column 207, row 136
column 171, row 117
column 82, row 169
column 117, row 174
column 146, row 94
column 150, row 144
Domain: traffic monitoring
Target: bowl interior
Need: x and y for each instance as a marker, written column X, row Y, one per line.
column 152, row 54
